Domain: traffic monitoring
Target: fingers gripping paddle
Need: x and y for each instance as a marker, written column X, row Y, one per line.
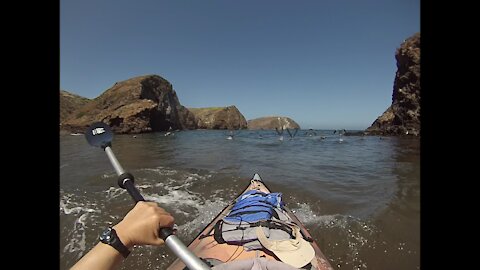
column 100, row 135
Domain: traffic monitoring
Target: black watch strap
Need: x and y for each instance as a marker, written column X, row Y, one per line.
column 115, row 242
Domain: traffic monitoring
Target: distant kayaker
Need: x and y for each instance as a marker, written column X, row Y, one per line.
column 231, row 134
column 280, row 134
column 169, row 132
column 310, row 133
column 292, row 136
column 139, row 227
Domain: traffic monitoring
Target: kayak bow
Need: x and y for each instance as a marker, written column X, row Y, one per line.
column 208, row 247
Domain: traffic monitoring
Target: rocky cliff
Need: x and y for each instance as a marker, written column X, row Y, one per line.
column 403, row 116
column 69, row 103
column 219, row 118
column 141, row 104
column 272, row 122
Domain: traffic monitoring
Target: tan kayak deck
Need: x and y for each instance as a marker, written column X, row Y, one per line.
column 205, row 246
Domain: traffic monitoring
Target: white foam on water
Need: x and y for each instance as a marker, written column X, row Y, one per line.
column 305, row 214
column 182, row 201
column 108, row 175
column 144, row 186
column 206, row 212
column 353, row 232
column 76, row 242
column 171, row 172
column 173, row 191
column 161, row 170
column 68, row 207
column 175, row 197
column 114, row 192
column 178, row 190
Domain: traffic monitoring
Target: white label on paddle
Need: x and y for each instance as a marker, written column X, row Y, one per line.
column 98, row 131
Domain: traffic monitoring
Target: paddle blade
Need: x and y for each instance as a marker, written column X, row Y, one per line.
column 99, row 134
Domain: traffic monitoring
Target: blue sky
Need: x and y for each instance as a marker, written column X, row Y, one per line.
column 327, row 64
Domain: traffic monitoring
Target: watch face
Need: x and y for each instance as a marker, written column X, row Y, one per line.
column 106, row 236
column 109, row 237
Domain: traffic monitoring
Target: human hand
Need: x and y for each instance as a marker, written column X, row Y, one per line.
column 142, row 224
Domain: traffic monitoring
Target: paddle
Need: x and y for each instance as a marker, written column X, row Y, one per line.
column 100, row 135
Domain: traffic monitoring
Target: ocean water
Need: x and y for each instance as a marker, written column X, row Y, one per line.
column 359, row 196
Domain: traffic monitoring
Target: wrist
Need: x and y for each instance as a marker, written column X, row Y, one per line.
column 121, row 233
column 111, row 238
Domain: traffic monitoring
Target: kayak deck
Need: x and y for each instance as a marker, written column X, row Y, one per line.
column 206, row 247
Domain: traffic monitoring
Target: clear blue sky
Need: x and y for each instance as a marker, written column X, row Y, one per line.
column 326, row 63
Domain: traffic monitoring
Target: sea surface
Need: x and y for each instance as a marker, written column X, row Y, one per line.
column 359, row 196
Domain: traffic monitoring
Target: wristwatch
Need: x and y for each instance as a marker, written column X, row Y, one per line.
column 110, row 237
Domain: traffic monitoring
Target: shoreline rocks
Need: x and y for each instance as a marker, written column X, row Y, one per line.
column 137, row 105
column 403, row 116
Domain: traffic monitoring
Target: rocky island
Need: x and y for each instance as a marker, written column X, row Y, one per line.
column 219, row 118
column 272, row 122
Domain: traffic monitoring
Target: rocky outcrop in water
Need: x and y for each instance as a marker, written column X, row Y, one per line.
column 219, row 118
column 403, row 116
column 272, row 122
column 141, row 104
column 69, row 103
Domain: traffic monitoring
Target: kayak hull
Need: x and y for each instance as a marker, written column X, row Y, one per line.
column 206, row 247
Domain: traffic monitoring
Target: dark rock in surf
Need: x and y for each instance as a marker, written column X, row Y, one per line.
column 354, row 133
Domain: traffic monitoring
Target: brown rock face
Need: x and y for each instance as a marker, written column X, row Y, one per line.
column 272, row 122
column 141, row 104
column 219, row 118
column 403, row 116
column 69, row 103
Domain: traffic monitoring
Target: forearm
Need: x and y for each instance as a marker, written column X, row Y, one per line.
column 139, row 227
column 102, row 257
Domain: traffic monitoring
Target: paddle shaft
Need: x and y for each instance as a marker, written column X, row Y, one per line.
column 171, row 240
